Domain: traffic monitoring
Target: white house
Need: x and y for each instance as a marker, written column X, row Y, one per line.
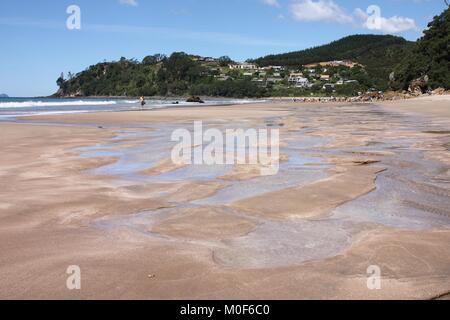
column 243, row 66
column 299, row 80
column 295, row 75
column 277, row 68
column 302, row 83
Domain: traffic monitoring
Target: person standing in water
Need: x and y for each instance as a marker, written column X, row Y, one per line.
column 142, row 100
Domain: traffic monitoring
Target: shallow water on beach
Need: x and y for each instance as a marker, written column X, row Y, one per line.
column 150, row 147
column 300, row 169
column 410, row 194
column 404, row 198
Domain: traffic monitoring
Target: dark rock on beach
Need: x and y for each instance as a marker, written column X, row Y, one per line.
column 195, row 99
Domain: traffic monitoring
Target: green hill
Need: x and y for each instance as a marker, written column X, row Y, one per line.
column 430, row 57
column 182, row 74
column 176, row 75
column 378, row 53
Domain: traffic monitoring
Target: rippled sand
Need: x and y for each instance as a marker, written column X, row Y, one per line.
column 359, row 185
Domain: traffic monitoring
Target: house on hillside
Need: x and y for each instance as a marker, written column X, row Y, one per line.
column 312, row 73
column 294, row 75
column 243, row 66
column 298, row 80
column 335, row 63
column 273, row 68
column 277, row 68
column 328, row 87
column 325, row 77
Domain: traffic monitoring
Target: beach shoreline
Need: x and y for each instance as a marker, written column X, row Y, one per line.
column 96, row 190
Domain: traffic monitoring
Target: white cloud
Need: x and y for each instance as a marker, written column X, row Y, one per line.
column 361, row 14
column 132, row 3
column 273, row 3
column 319, row 10
column 376, row 22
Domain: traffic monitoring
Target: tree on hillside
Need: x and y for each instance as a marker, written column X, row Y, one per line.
column 153, row 59
column 180, row 67
column 431, row 57
column 224, row 61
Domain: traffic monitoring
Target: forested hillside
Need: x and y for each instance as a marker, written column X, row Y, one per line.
column 379, row 54
column 430, row 57
column 179, row 74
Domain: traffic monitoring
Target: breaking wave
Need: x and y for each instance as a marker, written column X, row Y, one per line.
column 31, row 104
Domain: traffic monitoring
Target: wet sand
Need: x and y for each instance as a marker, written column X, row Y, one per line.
column 359, row 185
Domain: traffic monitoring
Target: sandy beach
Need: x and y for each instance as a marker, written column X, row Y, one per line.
column 359, row 185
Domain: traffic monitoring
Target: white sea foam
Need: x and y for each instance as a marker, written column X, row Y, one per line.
column 80, row 103
column 44, row 113
column 31, row 104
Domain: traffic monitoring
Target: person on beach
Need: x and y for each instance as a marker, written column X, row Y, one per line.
column 142, row 100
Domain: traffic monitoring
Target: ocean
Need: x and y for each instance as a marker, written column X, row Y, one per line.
column 11, row 108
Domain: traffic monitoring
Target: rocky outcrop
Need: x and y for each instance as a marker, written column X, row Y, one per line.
column 2, row 95
column 61, row 94
column 440, row 91
column 195, row 99
column 419, row 85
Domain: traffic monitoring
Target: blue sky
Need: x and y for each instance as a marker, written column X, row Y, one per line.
column 37, row 46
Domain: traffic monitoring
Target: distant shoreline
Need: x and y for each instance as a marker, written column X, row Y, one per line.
column 388, row 97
